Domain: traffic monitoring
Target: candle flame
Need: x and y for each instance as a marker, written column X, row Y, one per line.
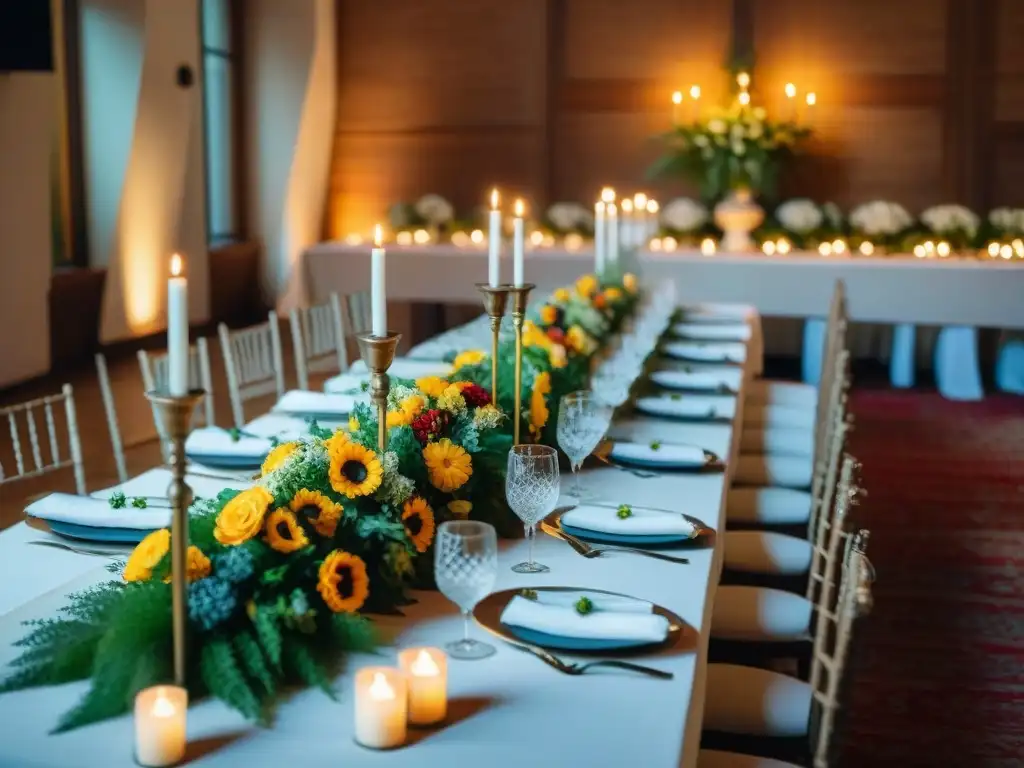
column 424, row 665
column 812, row 99
column 608, row 195
column 993, row 249
column 380, row 689
column 707, row 246
column 943, row 249
column 744, row 98
column 919, row 251
column 162, row 706
column 783, row 246
column 825, row 249
column 494, row 199
column 677, row 97
column 519, row 209
column 694, row 91
column 652, row 206
column 177, row 265
column 477, row 236
column 838, row 246
column 378, row 236
column 743, row 80
column 1006, row 252
column 790, row 90
column 627, row 206
column 640, row 201
column 867, row 248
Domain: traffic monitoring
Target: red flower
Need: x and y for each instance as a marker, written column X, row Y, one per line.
column 556, row 334
column 430, row 425
column 476, row 395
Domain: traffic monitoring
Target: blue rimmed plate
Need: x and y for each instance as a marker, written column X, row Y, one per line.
column 627, row 539
column 227, row 462
column 90, row 533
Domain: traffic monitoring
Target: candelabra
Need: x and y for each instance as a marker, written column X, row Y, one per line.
column 378, row 353
column 175, row 413
column 520, row 298
column 495, row 300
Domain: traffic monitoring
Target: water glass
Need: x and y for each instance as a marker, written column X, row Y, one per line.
column 582, row 423
column 465, row 568
column 531, row 489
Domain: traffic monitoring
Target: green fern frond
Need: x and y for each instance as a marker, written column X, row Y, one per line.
column 223, row 677
column 302, row 664
column 253, row 661
column 268, row 632
column 353, row 632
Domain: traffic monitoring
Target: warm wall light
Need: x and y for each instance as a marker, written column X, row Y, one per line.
column 812, row 99
column 790, row 91
column 743, row 80
column 744, row 98
column 694, row 92
column 677, row 97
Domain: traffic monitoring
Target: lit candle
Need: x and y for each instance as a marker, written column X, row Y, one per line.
column 518, row 244
column 943, row 249
column 867, row 248
column 626, row 225
column 812, row 100
column 160, row 725
column 744, row 98
column 669, row 243
column 993, row 249
column 743, row 80
column 825, row 249
column 613, row 234
column 599, row 236
column 838, row 246
column 421, row 237
column 177, row 329
column 652, row 217
column 382, row 704
column 920, row 251
column 790, row 103
column 768, row 246
column 476, row 237
column 707, row 246
column 677, row 102
column 427, row 672
column 494, row 242
column 1018, row 246
column 1006, row 252
column 783, row 246
column 655, row 244
column 378, row 291
column 404, row 238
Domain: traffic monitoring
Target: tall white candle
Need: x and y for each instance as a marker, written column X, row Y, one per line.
column 613, row 235
column 599, row 236
column 378, row 289
column 518, row 244
column 160, row 725
column 494, row 243
column 427, row 672
column 177, row 328
column 382, row 703
column 626, row 234
column 640, row 212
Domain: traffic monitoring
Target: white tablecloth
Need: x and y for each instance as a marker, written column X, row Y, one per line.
column 509, row 710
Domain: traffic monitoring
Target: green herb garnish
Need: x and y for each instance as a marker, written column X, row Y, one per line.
column 139, row 502
column 235, row 434
column 529, row 594
column 676, row 396
column 364, row 386
column 624, row 511
column 118, row 500
column 584, row 606
column 655, row 445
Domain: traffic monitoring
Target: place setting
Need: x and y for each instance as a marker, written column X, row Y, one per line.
column 731, row 352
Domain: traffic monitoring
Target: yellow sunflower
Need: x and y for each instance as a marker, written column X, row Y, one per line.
column 353, row 424
column 469, row 357
column 548, row 314
column 340, row 437
column 343, row 583
column 284, row 532
column 147, row 555
column 613, row 293
column 431, row 386
column 407, row 410
column 586, row 286
column 418, row 519
column 538, row 404
column 448, row 465
column 460, row 508
column 278, row 456
column 354, row 470
column 322, row 513
column 242, row 517
column 629, row 282
column 561, row 295
column 197, row 565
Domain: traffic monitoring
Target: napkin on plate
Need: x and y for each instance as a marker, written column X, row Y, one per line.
column 710, row 351
column 601, row 601
column 347, row 383
column 664, row 455
column 282, row 426
column 688, row 406
column 603, row 625
column 711, row 378
column 406, row 368
column 642, row 522
column 301, row 401
column 716, row 331
column 84, row 510
column 716, row 311
column 217, row 441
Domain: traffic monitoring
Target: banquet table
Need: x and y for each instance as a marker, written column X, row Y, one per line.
column 508, row 710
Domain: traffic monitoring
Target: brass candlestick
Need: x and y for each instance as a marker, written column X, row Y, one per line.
column 175, row 412
column 378, row 353
column 495, row 299
column 520, row 298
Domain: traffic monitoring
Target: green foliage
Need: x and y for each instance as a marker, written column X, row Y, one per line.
column 250, row 654
column 268, row 630
column 300, row 662
column 224, row 678
column 353, row 632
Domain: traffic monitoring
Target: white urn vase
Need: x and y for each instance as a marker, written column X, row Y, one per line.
column 737, row 216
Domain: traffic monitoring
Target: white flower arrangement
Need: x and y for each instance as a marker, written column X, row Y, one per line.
column 880, row 217
column 951, row 220
column 684, row 215
column 570, row 217
column 434, row 209
column 799, row 215
column 1007, row 220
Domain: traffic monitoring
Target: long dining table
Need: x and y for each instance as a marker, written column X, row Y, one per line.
column 507, row 710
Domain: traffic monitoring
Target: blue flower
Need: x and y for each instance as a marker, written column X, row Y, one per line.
column 234, row 566
column 210, row 602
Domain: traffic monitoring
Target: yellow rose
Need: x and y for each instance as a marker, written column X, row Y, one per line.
column 242, row 517
column 469, row 357
column 586, row 286
column 561, row 295
column 431, row 386
column 145, row 557
column 548, row 314
column 197, row 565
column 460, row 507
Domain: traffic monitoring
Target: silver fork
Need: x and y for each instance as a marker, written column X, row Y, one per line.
column 643, row 475
column 590, row 552
column 571, row 668
column 80, row 550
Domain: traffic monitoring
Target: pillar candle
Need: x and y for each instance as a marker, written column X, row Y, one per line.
column 427, row 673
column 626, row 233
column 494, row 243
column 613, row 235
column 518, row 244
column 599, row 236
column 160, row 725
column 382, row 702
column 177, row 328
column 378, row 290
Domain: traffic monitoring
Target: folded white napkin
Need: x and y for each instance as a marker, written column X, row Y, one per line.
column 716, row 311
column 642, row 522
column 689, row 406
column 699, row 379
column 84, row 510
column 405, row 368
column 216, row 441
column 713, row 331
column 300, row 401
column 711, row 351
column 154, row 483
column 600, row 600
column 566, row 622
column 282, row 426
column 665, row 455
column 347, row 383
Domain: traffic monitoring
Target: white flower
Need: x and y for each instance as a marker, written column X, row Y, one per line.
column 950, row 219
column 684, row 215
column 434, row 209
column 880, row 218
column 833, row 215
column 1007, row 220
column 799, row 215
column 568, row 217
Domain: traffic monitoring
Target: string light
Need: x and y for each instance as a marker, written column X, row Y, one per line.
column 768, row 247
column 825, row 249
column 783, row 246
column 707, row 246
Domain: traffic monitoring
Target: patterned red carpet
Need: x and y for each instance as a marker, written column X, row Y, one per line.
column 940, row 679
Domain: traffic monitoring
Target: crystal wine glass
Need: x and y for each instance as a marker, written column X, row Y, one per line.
column 531, row 488
column 582, row 422
column 465, row 568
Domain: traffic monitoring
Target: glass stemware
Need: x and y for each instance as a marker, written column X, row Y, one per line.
column 531, row 489
column 582, row 423
column 465, row 568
